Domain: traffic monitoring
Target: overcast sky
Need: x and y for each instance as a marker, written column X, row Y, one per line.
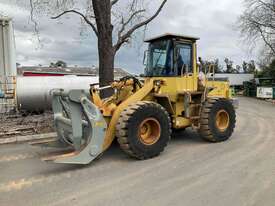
column 214, row 21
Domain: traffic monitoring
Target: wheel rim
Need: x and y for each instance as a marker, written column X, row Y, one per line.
column 222, row 120
column 149, row 131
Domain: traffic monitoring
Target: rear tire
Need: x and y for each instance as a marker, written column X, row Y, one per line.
column 143, row 130
column 218, row 119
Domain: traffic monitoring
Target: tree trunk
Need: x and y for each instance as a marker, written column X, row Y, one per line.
column 102, row 11
column 106, row 63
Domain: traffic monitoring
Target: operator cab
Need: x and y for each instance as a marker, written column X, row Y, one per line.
column 170, row 55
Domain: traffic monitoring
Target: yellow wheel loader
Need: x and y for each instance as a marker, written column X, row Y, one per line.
column 172, row 94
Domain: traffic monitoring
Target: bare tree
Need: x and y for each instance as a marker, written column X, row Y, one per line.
column 218, row 66
column 251, row 67
column 206, row 65
column 245, row 67
column 59, row 63
column 113, row 22
column 258, row 22
column 229, row 65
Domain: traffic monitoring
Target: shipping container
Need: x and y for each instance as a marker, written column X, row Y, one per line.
column 235, row 79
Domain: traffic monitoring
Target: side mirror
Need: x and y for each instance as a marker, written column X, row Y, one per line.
column 145, row 57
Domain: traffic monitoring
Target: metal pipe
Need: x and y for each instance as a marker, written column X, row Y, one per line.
column 103, row 88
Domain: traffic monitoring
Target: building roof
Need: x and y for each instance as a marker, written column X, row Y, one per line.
column 171, row 35
column 80, row 71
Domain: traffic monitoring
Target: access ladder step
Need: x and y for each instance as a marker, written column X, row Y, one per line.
column 195, row 105
column 195, row 117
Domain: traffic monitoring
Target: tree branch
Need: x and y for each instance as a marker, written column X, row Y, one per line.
column 269, row 6
column 82, row 15
column 113, row 2
column 258, row 23
column 124, row 24
column 266, row 41
column 36, row 30
column 124, row 38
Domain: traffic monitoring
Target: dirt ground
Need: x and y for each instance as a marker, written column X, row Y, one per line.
column 192, row 172
column 25, row 124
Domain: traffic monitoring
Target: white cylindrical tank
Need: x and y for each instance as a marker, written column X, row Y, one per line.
column 33, row 93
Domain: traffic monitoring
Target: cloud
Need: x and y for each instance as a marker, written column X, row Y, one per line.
column 214, row 21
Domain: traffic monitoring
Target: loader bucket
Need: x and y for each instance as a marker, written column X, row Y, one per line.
column 80, row 126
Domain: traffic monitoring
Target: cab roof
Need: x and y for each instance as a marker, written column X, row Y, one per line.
column 170, row 36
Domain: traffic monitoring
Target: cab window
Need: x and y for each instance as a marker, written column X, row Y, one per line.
column 184, row 59
column 160, row 61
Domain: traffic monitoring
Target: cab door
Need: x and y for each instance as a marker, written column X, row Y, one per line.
column 184, row 55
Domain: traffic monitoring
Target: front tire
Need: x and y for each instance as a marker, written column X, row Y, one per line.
column 143, row 130
column 217, row 121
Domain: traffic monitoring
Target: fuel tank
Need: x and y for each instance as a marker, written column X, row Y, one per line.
column 33, row 93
